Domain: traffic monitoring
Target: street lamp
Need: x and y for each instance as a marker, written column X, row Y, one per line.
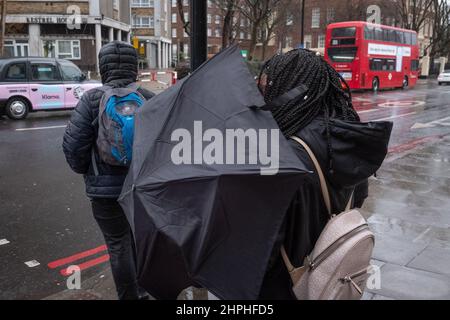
column 199, row 37
column 302, row 34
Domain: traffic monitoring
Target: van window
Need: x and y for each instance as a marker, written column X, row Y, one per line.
column 16, row 72
column 44, row 72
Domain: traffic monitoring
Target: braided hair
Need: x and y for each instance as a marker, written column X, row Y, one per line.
column 328, row 94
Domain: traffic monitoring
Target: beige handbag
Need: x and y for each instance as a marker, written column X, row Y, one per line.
column 337, row 267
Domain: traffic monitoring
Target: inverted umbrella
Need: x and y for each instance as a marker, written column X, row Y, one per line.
column 209, row 184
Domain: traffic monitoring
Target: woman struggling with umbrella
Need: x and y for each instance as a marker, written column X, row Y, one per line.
column 326, row 120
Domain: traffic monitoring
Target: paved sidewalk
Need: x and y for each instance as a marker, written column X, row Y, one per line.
column 409, row 211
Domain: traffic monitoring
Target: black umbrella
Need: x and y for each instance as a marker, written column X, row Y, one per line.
column 202, row 216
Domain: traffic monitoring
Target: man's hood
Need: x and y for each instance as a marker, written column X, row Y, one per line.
column 118, row 63
column 357, row 149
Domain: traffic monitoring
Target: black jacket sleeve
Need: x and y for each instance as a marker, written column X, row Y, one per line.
column 79, row 137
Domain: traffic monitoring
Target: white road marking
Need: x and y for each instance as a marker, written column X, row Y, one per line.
column 366, row 111
column 3, row 242
column 394, row 117
column 431, row 124
column 41, row 128
column 32, row 263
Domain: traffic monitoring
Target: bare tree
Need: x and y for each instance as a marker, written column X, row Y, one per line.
column 186, row 25
column 3, row 26
column 257, row 12
column 229, row 10
column 414, row 14
column 440, row 42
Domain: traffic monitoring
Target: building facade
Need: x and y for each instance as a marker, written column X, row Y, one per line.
column 151, row 32
column 240, row 32
column 73, row 30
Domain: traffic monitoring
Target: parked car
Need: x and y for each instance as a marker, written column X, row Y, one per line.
column 40, row 84
column 444, row 77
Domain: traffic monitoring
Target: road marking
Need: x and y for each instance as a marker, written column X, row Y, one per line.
column 32, row 263
column 87, row 264
column 420, row 236
column 366, row 111
column 431, row 124
column 41, row 128
column 75, row 257
column 3, row 242
column 394, row 117
column 401, row 104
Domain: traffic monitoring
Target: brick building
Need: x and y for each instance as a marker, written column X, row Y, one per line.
column 74, row 30
column 151, row 32
column 240, row 32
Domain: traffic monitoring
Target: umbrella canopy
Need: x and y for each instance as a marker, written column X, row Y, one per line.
column 209, row 184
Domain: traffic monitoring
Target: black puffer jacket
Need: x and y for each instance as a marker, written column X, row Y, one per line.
column 358, row 150
column 118, row 68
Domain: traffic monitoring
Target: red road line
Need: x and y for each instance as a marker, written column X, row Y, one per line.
column 75, row 257
column 87, row 264
column 412, row 144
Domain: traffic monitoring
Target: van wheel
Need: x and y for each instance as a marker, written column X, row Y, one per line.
column 375, row 84
column 17, row 108
column 405, row 83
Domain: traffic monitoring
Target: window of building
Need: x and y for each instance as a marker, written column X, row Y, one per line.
column 62, row 49
column 289, row 19
column 143, row 22
column 308, row 41
column 217, row 32
column 16, row 72
column 315, row 22
column 143, row 3
column 16, row 48
column 217, row 20
column 174, row 18
column 185, row 34
column 185, row 3
column 186, row 16
column 44, row 72
column 242, row 35
column 209, row 18
column 288, row 42
column 321, row 41
column 174, row 3
column 209, row 32
column 186, row 50
column 174, row 32
column 209, row 4
column 331, row 15
column 68, row 49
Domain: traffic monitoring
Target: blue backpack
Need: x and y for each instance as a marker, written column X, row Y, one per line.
column 117, row 109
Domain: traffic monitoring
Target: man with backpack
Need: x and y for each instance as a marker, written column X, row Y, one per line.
column 97, row 143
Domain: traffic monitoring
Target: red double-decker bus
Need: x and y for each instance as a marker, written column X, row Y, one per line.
column 372, row 56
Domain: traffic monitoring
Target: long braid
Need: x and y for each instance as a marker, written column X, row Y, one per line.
column 328, row 93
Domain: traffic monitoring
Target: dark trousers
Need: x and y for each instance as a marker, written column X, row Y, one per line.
column 119, row 240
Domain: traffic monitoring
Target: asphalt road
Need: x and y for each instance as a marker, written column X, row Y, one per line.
column 45, row 216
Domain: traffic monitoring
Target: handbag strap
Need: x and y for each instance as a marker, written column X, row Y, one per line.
column 323, row 183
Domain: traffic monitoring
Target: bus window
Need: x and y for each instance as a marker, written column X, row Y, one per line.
column 392, row 35
column 408, row 38
column 344, row 32
column 414, row 39
column 379, row 34
column 390, row 65
column 376, row 64
column 369, row 33
column 344, row 54
column 399, row 37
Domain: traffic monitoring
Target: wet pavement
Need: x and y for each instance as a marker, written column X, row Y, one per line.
column 45, row 216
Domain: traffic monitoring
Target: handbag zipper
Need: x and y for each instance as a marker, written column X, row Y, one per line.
column 314, row 263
